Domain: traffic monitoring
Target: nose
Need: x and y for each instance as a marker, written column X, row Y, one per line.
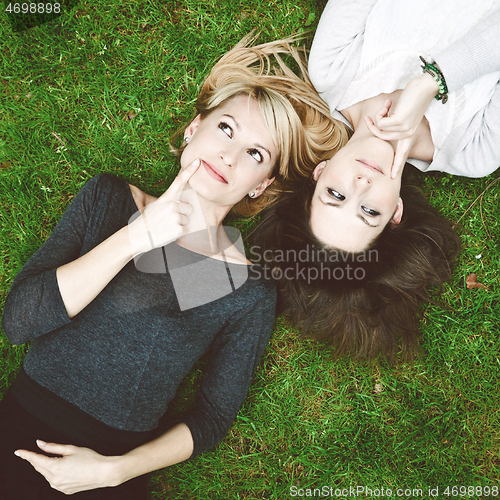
column 228, row 158
column 363, row 178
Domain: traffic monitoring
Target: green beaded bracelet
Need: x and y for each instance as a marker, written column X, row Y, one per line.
column 435, row 72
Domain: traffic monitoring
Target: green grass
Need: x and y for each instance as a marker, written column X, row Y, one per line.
column 66, row 88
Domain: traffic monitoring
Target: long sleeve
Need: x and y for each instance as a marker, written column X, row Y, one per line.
column 472, row 56
column 235, row 354
column 336, row 49
column 34, row 305
column 472, row 150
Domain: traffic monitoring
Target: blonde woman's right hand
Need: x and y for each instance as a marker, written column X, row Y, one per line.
column 164, row 220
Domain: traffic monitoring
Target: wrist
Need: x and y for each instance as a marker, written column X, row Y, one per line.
column 434, row 71
column 139, row 237
column 115, row 471
column 429, row 85
column 123, row 247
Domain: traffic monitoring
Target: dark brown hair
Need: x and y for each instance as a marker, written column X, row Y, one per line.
column 367, row 303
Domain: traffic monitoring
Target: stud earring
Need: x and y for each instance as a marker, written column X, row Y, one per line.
column 251, row 194
column 186, row 139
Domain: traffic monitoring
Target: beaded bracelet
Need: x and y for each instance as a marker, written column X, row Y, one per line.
column 435, row 72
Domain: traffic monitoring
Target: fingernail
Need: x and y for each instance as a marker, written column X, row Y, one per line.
column 40, row 442
column 196, row 162
column 17, row 454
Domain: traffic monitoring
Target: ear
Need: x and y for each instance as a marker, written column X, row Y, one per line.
column 319, row 168
column 398, row 214
column 262, row 187
column 192, row 127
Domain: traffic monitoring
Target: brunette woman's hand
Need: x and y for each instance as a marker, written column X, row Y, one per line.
column 77, row 469
column 401, row 123
column 164, row 220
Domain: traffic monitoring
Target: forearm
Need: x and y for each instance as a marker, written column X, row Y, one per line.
column 79, row 469
column 81, row 280
column 426, row 86
column 161, row 223
column 175, row 446
column 474, row 55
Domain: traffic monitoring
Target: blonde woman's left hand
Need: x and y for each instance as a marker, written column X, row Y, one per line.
column 77, row 469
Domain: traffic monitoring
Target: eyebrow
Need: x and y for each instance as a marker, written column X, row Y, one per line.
column 238, row 127
column 359, row 216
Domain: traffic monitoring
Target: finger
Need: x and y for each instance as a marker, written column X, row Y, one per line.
column 183, row 220
column 395, row 133
column 55, row 449
column 384, row 110
column 390, row 123
column 386, row 136
column 396, row 167
column 400, row 157
column 182, row 178
column 184, row 208
column 35, row 459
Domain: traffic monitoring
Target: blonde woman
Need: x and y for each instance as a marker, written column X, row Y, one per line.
column 108, row 303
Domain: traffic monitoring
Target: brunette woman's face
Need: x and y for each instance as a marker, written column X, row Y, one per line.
column 355, row 197
column 236, row 150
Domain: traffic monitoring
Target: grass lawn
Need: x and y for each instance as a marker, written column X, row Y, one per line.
column 99, row 89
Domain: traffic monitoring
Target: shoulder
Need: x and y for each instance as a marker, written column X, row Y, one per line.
column 103, row 188
column 105, row 198
column 104, row 184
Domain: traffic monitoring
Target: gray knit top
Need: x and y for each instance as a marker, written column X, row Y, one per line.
column 121, row 359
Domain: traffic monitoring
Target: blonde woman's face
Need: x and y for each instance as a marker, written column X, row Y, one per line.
column 236, row 150
column 355, row 196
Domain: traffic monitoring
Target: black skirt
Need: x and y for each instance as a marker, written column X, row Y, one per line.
column 19, row 429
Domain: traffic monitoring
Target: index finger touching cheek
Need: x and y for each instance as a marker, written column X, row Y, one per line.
column 183, row 178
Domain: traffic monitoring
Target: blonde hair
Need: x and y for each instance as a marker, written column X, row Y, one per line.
column 297, row 118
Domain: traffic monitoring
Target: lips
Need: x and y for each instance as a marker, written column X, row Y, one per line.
column 371, row 165
column 214, row 172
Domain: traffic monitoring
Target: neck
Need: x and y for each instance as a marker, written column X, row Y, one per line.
column 204, row 233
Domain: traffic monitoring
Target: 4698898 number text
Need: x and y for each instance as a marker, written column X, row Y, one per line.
column 33, row 8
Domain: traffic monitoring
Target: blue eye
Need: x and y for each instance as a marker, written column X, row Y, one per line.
column 370, row 211
column 226, row 129
column 256, row 155
column 335, row 194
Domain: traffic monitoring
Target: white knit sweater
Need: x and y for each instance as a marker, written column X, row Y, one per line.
column 363, row 48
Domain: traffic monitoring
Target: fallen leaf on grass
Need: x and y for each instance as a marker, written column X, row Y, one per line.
column 130, row 116
column 471, row 282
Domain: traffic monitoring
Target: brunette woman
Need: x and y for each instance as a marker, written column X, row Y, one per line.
column 410, row 81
